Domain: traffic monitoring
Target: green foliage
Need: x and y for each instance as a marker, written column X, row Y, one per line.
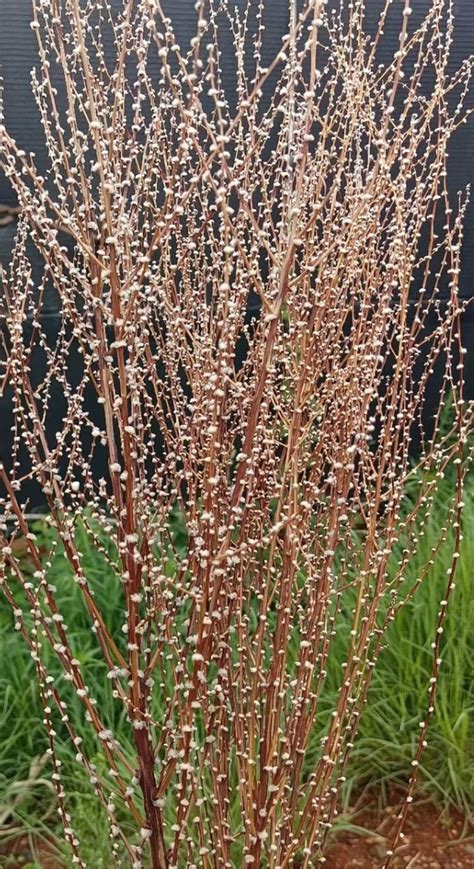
column 398, row 694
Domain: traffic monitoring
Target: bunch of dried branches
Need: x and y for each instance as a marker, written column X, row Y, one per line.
column 323, row 195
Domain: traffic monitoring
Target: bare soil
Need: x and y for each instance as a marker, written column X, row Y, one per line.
column 433, row 840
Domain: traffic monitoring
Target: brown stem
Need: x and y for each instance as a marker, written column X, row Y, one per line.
column 159, row 858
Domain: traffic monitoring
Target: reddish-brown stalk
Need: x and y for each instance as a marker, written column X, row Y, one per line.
column 323, row 193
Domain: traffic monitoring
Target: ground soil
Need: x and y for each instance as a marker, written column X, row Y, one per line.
column 433, row 840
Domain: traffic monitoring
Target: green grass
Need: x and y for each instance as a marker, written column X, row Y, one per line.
column 398, row 695
column 389, row 725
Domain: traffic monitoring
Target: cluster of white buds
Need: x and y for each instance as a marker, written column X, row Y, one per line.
column 238, row 294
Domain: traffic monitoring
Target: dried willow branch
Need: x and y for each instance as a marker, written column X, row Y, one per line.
column 323, row 195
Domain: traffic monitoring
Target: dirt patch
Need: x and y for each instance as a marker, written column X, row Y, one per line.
column 433, row 840
column 19, row 852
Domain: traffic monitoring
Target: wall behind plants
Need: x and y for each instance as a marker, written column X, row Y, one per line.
column 18, row 56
